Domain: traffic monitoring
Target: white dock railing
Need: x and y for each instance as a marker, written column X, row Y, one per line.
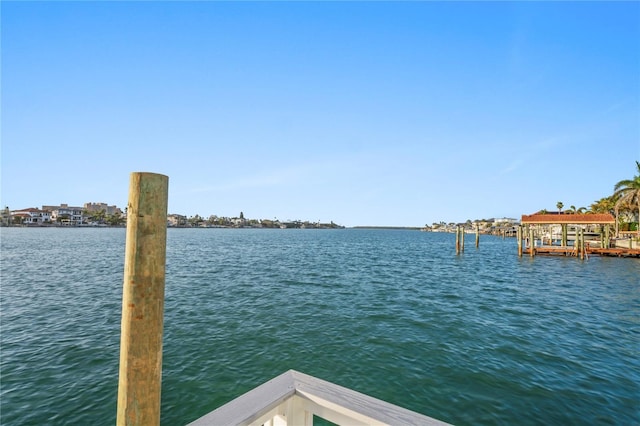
column 294, row 398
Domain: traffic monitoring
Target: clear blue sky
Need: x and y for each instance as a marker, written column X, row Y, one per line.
column 364, row 113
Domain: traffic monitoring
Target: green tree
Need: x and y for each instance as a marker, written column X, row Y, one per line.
column 559, row 205
column 627, row 192
column 196, row 220
column 604, row 205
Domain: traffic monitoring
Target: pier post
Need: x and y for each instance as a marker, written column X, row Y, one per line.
column 580, row 236
column 564, row 235
column 457, row 239
column 532, row 243
column 462, row 239
column 143, row 301
column 607, row 237
column 477, row 236
column 519, row 237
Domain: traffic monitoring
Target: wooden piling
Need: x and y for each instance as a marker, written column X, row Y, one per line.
column 143, row 301
column 532, row 243
column 607, row 237
column 462, row 239
column 580, row 241
column 564, row 242
column 457, row 240
column 477, row 236
column 519, row 237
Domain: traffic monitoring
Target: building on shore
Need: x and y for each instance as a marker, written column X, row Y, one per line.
column 65, row 214
column 98, row 207
column 29, row 216
column 563, row 227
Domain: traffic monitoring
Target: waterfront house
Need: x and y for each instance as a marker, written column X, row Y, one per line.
column 32, row 216
column 5, row 217
column 65, row 214
column 176, row 220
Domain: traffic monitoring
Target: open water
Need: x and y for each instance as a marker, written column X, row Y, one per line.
column 484, row 338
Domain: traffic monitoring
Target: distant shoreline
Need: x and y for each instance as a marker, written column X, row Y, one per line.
column 410, row 228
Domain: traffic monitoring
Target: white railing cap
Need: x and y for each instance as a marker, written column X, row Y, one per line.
column 261, row 400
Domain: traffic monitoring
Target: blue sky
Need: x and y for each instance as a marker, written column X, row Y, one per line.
column 361, row 113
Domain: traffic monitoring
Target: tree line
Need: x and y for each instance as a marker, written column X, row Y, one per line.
column 623, row 203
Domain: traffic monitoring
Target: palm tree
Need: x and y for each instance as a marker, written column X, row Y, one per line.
column 559, row 205
column 627, row 191
column 604, row 205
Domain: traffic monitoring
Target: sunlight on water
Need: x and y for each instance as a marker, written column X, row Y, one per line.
column 481, row 338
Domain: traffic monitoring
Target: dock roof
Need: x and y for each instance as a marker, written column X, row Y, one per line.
column 568, row 218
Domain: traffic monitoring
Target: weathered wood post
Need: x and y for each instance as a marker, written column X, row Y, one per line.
column 519, row 237
column 564, row 235
column 532, row 243
column 607, row 237
column 143, row 301
column 462, row 239
column 585, row 245
column 477, row 236
column 580, row 236
column 457, row 239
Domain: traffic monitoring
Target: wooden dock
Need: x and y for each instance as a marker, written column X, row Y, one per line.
column 572, row 251
column 590, row 235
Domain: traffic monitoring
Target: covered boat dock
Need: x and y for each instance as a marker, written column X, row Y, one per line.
column 570, row 234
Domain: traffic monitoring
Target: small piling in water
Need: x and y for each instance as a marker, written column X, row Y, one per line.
column 477, row 236
column 143, row 301
column 457, row 240
column 519, row 237
column 532, row 243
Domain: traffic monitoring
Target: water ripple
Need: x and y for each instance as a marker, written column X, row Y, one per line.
column 481, row 338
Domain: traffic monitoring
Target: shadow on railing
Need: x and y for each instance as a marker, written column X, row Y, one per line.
column 294, row 398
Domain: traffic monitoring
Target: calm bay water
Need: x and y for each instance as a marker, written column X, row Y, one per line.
column 482, row 338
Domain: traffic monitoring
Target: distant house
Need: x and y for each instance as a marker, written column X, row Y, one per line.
column 504, row 220
column 238, row 221
column 32, row 216
column 65, row 214
column 176, row 220
column 6, row 217
column 108, row 210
